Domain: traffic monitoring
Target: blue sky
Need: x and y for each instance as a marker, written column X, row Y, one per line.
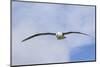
column 32, row 18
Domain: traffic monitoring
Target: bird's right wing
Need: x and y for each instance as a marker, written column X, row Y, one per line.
column 75, row 33
column 38, row 35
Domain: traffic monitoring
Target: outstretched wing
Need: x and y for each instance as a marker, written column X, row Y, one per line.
column 75, row 33
column 38, row 35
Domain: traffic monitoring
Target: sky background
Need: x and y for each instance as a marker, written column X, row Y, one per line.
column 31, row 18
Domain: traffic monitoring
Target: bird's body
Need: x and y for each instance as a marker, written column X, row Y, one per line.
column 59, row 35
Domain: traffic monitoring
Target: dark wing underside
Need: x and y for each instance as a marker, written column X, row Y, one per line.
column 75, row 33
column 38, row 35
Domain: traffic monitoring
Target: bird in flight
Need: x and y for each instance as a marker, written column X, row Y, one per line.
column 59, row 35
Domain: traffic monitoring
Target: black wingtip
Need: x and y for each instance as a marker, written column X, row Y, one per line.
column 23, row 40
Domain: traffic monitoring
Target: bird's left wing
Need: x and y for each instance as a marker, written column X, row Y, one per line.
column 38, row 35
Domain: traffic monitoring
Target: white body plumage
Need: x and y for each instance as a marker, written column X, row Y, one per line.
column 59, row 35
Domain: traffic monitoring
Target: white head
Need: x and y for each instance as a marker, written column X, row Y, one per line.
column 59, row 33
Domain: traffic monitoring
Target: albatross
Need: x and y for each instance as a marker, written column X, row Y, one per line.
column 59, row 35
